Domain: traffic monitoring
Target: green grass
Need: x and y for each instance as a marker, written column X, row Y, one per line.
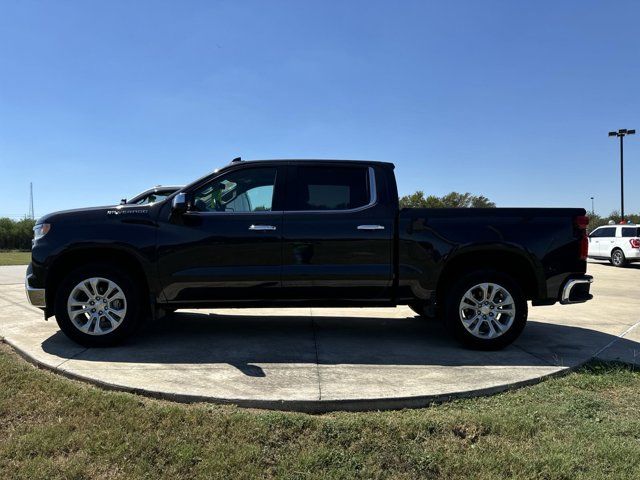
column 582, row 426
column 14, row 257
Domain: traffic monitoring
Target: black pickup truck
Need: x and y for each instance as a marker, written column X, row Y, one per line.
column 304, row 233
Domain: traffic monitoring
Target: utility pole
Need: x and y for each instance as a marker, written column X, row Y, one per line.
column 621, row 134
column 593, row 210
column 31, row 212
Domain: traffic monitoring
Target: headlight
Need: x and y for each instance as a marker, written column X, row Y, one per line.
column 40, row 231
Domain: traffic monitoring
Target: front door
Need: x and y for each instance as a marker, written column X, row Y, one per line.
column 337, row 237
column 227, row 247
column 594, row 243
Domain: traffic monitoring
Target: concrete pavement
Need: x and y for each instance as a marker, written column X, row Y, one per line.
column 12, row 274
column 325, row 359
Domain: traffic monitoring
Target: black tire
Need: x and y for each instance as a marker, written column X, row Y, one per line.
column 453, row 316
column 618, row 258
column 128, row 323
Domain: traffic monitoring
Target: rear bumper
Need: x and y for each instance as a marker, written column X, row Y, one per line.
column 576, row 290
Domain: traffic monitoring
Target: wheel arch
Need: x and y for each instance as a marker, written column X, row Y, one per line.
column 71, row 259
column 512, row 262
column 614, row 249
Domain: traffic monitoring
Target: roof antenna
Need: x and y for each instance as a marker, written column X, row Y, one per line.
column 237, row 159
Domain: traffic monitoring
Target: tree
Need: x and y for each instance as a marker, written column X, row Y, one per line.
column 450, row 200
column 596, row 221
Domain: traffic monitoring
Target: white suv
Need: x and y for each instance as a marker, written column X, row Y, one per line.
column 620, row 244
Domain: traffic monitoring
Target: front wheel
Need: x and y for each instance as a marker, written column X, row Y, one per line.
column 97, row 305
column 486, row 310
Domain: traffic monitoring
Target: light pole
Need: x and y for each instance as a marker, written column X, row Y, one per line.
column 593, row 210
column 621, row 134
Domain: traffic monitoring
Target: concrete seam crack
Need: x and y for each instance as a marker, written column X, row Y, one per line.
column 537, row 356
column 315, row 343
column 24, row 307
column 71, row 357
column 618, row 338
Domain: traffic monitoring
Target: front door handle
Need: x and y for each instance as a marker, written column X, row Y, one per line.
column 370, row 227
column 262, row 228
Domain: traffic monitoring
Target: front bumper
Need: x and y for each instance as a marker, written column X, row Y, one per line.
column 576, row 290
column 36, row 296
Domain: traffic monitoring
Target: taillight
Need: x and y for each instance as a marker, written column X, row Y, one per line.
column 635, row 242
column 582, row 221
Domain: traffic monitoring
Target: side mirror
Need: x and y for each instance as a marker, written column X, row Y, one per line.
column 123, row 201
column 179, row 204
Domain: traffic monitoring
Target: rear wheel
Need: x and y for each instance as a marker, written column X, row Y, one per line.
column 98, row 305
column 618, row 258
column 486, row 310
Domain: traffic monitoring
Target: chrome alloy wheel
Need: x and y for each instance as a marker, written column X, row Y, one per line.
column 487, row 310
column 616, row 257
column 96, row 306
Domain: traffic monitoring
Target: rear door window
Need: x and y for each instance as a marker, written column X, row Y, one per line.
column 326, row 188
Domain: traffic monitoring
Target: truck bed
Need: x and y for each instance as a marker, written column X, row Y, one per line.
column 543, row 240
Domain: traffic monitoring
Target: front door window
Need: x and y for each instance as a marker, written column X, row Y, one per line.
column 241, row 191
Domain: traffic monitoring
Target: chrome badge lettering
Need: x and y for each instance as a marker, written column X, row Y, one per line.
column 129, row 211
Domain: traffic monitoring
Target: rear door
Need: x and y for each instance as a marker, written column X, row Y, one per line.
column 337, row 234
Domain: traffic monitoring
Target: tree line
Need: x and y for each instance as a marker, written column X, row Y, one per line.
column 450, row 200
column 596, row 221
column 16, row 234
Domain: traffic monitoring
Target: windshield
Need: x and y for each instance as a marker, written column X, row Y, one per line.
column 151, row 198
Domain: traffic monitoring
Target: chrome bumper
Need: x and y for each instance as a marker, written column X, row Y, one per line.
column 576, row 290
column 36, row 296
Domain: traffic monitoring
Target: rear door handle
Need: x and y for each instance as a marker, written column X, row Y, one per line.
column 370, row 227
column 262, row 228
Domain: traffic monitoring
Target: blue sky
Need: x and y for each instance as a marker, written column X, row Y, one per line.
column 509, row 99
